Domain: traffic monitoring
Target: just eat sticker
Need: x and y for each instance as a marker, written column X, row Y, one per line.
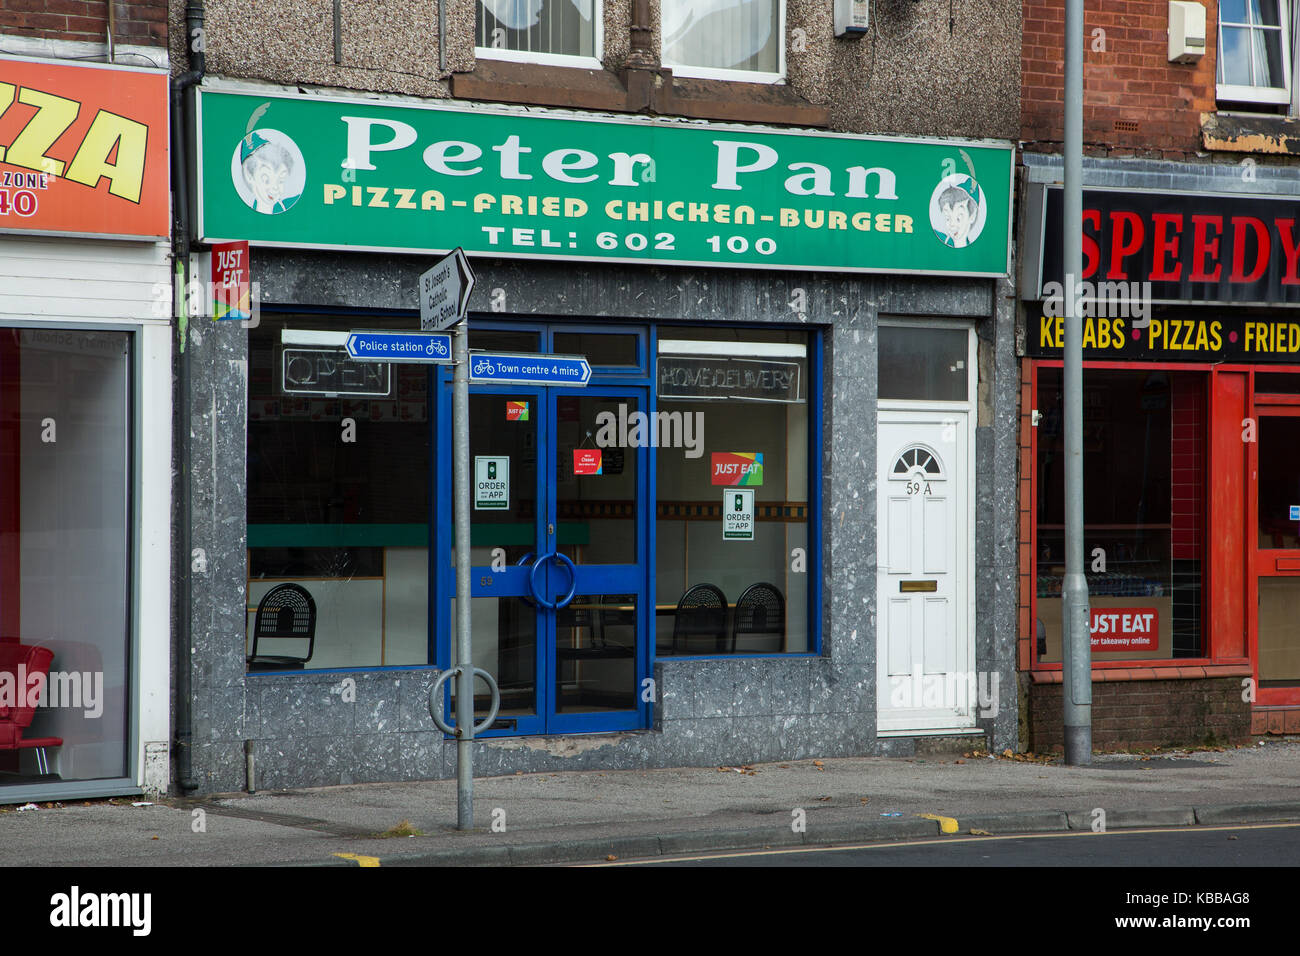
column 737, row 468
column 516, row 411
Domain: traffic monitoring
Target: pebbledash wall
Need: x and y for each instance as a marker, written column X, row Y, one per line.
column 707, row 710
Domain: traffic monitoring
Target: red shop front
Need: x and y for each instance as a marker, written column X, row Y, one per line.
column 1191, row 470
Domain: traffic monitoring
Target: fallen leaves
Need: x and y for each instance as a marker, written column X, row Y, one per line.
column 747, row 770
column 1009, row 754
column 977, row 832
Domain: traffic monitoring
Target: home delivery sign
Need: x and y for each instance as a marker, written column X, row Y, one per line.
column 332, row 173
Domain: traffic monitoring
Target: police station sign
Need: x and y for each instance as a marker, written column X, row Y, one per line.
column 310, row 171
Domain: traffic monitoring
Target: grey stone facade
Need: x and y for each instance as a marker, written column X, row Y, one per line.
column 709, row 711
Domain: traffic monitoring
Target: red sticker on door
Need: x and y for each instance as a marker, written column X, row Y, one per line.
column 516, row 411
column 1119, row 629
column 586, row 461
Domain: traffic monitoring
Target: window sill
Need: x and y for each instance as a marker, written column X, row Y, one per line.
column 1149, row 670
column 503, row 81
column 654, row 91
column 1248, row 133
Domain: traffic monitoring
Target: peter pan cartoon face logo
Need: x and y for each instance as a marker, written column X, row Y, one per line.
column 267, row 168
column 958, row 210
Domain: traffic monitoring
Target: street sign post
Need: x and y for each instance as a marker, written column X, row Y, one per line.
column 528, row 369
column 384, row 346
column 444, row 292
column 444, row 295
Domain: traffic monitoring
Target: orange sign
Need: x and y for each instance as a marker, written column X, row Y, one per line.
column 83, row 149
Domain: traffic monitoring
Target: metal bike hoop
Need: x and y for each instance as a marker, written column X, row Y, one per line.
column 435, row 702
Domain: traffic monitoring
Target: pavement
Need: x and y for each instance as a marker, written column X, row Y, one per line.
column 593, row 816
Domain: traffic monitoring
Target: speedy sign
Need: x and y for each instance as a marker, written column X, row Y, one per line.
column 312, row 171
column 83, row 149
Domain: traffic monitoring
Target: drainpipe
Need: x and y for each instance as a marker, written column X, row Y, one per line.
column 195, row 42
column 112, row 28
column 643, row 65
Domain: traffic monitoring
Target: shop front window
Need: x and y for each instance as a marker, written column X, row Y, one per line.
column 1144, row 453
column 338, row 499
column 65, row 556
column 732, row 525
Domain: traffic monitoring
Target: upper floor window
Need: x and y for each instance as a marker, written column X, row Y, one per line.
column 725, row 39
column 560, row 32
column 1254, row 51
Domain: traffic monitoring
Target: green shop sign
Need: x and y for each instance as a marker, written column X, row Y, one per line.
column 307, row 171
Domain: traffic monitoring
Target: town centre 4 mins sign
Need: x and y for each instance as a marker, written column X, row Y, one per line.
column 310, row 171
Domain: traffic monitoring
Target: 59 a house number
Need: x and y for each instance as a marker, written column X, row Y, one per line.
column 918, row 487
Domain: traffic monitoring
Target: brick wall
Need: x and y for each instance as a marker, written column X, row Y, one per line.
column 137, row 22
column 1135, row 101
column 1143, row 714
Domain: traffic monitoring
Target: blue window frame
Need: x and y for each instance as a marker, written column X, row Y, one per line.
column 622, row 590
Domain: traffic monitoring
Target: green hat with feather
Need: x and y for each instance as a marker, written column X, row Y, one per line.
column 252, row 141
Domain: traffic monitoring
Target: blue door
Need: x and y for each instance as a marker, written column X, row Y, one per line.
column 559, row 546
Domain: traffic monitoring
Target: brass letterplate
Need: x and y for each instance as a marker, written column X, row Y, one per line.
column 912, row 587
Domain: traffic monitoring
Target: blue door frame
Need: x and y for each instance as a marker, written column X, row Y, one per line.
column 552, row 580
column 611, row 382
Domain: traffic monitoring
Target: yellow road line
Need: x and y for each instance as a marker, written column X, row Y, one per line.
column 360, row 860
column 945, row 842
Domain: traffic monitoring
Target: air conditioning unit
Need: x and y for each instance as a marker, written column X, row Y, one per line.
column 851, row 18
column 1186, row 31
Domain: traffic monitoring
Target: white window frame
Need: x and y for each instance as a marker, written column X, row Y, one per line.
column 737, row 76
column 1259, row 94
column 596, row 62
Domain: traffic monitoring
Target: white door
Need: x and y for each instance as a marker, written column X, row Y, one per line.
column 925, row 655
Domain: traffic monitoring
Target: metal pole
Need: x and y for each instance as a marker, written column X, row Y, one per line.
column 464, row 652
column 1077, row 666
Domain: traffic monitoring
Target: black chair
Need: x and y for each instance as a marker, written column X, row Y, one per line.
column 599, row 647
column 701, row 612
column 618, row 619
column 286, row 612
column 760, row 610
